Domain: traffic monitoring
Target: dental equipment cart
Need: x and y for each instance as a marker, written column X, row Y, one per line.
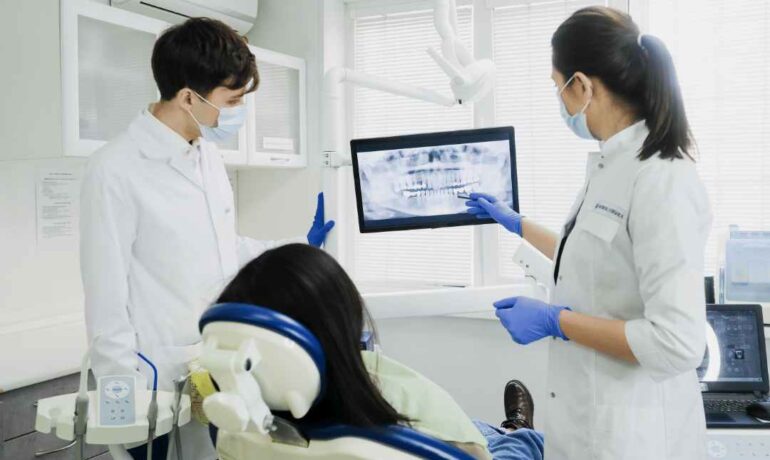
column 120, row 412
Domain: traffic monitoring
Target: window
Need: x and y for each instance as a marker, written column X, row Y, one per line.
column 721, row 49
column 550, row 159
column 393, row 46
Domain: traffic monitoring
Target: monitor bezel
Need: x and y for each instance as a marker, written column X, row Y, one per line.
column 743, row 387
column 424, row 140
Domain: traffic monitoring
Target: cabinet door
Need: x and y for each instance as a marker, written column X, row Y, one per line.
column 277, row 112
column 106, row 74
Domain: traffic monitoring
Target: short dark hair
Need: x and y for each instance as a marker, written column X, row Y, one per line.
column 202, row 54
column 605, row 43
column 308, row 285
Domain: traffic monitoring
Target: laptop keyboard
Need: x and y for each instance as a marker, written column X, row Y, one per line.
column 726, row 405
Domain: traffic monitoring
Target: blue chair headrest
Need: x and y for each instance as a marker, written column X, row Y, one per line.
column 273, row 321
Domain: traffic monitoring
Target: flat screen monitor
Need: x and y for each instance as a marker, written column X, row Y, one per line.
column 735, row 353
column 418, row 181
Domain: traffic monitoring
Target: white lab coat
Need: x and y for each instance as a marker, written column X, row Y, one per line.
column 636, row 254
column 158, row 244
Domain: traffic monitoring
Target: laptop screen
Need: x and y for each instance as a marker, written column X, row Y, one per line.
column 735, row 350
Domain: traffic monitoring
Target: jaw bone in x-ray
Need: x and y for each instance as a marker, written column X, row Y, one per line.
column 425, row 181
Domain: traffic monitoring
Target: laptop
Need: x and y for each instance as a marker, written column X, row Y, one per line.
column 733, row 373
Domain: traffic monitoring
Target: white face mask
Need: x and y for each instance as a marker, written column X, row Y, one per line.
column 229, row 122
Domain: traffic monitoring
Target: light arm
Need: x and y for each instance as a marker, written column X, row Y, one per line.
column 396, row 87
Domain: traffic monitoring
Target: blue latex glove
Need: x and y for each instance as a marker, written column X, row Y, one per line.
column 528, row 320
column 317, row 234
column 484, row 206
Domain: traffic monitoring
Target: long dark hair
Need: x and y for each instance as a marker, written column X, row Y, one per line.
column 605, row 43
column 309, row 286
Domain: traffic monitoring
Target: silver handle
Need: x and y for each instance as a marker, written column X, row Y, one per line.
column 280, row 160
column 59, row 449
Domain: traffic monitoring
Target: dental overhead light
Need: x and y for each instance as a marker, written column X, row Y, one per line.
column 470, row 79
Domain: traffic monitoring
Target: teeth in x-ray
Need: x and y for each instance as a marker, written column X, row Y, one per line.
column 451, row 181
column 452, row 189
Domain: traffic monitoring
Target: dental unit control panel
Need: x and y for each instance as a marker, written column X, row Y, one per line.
column 117, row 400
column 121, row 411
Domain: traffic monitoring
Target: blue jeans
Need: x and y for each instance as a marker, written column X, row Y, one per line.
column 522, row 444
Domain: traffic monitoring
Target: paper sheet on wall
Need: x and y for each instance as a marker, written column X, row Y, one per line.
column 58, row 199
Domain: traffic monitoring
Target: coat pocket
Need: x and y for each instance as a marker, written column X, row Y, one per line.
column 600, row 226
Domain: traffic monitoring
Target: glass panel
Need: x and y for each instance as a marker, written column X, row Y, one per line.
column 114, row 77
column 276, row 107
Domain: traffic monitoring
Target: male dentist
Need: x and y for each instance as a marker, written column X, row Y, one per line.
column 158, row 238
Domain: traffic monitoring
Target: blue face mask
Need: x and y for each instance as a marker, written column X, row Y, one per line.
column 229, row 122
column 577, row 123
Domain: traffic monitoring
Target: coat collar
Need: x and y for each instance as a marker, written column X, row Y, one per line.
column 156, row 141
column 624, row 144
column 628, row 141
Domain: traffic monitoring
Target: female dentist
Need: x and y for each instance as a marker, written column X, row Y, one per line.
column 628, row 310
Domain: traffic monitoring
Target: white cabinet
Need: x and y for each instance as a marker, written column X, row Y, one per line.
column 106, row 74
column 277, row 111
column 107, row 80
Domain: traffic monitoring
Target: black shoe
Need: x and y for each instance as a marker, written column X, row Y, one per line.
column 519, row 407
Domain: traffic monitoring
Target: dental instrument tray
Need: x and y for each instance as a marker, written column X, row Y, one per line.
column 56, row 414
column 422, row 180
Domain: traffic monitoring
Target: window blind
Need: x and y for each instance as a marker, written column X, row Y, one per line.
column 721, row 49
column 550, row 159
column 393, row 46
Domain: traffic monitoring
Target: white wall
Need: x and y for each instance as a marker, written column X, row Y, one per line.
column 274, row 203
column 472, row 359
column 30, row 112
column 40, row 291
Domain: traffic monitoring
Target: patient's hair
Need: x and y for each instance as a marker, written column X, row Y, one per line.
column 309, row 286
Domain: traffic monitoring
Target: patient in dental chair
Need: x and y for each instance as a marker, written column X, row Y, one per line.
column 366, row 388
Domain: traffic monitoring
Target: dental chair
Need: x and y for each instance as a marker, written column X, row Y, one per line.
column 267, row 366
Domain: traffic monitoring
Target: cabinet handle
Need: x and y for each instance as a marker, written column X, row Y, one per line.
column 53, row 451
column 280, row 160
